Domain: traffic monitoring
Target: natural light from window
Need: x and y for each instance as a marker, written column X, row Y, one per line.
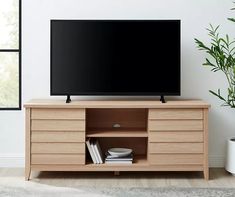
column 9, row 54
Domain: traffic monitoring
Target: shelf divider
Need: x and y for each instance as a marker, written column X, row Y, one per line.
column 113, row 133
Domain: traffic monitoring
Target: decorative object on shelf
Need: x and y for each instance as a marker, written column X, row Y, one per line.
column 116, row 125
column 222, row 54
column 120, row 152
column 119, row 156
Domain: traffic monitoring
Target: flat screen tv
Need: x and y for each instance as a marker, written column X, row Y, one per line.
column 115, row 57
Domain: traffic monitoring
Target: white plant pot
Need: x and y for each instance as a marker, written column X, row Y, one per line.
column 230, row 160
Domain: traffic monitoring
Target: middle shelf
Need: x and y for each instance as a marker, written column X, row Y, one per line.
column 117, row 133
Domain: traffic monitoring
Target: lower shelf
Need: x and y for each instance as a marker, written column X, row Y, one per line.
column 139, row 160
column 140, row 164
column 111, row 167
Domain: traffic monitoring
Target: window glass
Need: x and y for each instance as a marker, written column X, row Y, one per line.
column 9, row 54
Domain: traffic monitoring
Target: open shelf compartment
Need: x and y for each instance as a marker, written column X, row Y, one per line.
column 116, row 122
column 138, row 145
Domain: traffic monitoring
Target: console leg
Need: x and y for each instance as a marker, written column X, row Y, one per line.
column 27, row 174
column 206, row 174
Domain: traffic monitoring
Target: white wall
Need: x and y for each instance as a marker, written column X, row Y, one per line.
column 196, row 80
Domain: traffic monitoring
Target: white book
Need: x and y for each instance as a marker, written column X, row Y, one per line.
column 118, row 162
column 119, row 159
column 98, row 151
column 90, row 150
column 94, row 151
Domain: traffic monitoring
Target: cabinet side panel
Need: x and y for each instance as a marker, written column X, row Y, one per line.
column 206, row 167
column 27, row 142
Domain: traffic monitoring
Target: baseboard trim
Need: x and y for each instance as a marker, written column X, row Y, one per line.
column 17, row 161
column 11, row 161
column 216, row 161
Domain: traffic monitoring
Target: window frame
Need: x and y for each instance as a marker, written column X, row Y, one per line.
column 20, row 59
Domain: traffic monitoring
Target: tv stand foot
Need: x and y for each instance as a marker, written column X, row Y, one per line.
column 68, row 100
column 162, row 99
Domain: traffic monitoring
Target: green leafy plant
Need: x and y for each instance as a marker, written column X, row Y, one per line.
column 221, row 53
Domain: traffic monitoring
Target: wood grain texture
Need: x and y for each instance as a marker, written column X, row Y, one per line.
column 27, row 144
column 70, row 148
column 58, row 136
column 41, row 113
column 58, row 125
column 175, row 125
column 105, row 167
column 181, row 114
column 58, row 159
column 176, row 136
column 176, row 159
column 116, row 133
column 175, row 148
column 49, row 103
column 205, row 164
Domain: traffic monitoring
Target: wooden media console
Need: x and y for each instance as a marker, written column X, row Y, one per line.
column 170, row 136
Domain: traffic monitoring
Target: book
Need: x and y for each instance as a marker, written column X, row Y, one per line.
column 119, row 159
column 90, row 150
column 99, row 151
column 118, row 162
column 94, row 151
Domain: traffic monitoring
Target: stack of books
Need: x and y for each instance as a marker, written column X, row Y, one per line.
column 110, row 159
column 95, row 151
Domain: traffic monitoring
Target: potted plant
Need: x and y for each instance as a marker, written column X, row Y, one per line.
column 221, row 58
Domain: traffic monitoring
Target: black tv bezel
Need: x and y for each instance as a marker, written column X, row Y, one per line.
column 178, row 93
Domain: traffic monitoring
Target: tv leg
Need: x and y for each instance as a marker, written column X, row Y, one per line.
column 68, row 100
column 162, row 99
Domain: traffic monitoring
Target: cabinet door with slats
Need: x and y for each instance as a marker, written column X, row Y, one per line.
column 57, row 136
column 176, row 137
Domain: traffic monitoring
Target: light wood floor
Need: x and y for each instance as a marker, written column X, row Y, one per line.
column 218, row 178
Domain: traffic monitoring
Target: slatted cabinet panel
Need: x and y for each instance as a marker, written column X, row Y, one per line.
column 58, row 159
column 57, row 136
column 176, row 137
column 57, row 148
column 176, row 114
column 58, row 114
column 176, row 159
column 175, row 147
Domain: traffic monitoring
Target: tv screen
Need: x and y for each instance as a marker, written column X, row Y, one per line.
column 115, row 57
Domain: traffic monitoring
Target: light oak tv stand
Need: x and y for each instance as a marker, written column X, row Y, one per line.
column 165, row 137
